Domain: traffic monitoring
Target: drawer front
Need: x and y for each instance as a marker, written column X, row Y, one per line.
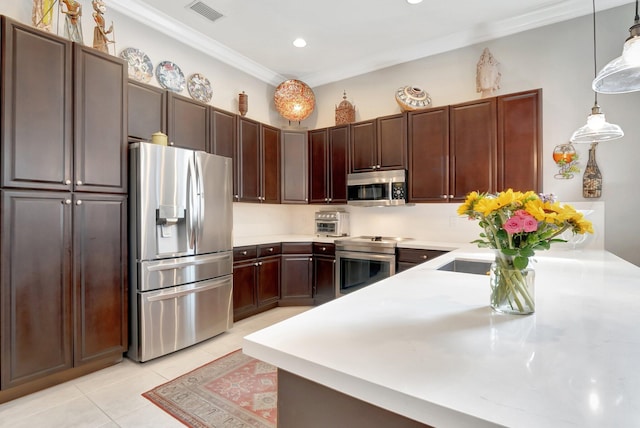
column 320, row 248
column 297, row 248
column 245, row 253
column 266, row 250
column 413, row 255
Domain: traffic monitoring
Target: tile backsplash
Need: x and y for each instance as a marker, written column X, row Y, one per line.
column 428, row 222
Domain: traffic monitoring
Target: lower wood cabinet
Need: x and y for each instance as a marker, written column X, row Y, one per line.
column 409, row 257
column 324, row 265
column 256, row 279
column 62, row 287
column 297, row 274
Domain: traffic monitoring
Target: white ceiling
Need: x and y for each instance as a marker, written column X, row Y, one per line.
column 345, row 38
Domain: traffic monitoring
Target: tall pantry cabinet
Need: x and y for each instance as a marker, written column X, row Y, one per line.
column 63, row 210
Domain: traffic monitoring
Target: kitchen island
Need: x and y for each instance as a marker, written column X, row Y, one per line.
column 425, row 345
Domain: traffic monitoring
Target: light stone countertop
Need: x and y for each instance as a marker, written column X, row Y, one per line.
column 425, row 344
column 270, row 239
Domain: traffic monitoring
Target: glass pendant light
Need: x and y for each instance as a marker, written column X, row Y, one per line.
column 597, row 128
column 622, row 75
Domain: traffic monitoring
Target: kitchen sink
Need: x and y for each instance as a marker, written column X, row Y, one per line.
column 467, row 266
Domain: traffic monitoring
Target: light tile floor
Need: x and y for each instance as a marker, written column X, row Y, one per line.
column 112, row 397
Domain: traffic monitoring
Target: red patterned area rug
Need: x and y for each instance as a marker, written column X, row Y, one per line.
column 233, row 391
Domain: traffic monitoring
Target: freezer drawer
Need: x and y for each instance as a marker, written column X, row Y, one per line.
column 159, row 274
column 178, row 317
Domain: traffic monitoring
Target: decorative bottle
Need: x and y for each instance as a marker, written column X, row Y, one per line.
column 592, row 178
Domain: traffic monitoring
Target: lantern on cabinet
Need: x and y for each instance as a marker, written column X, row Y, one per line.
column 345, row 111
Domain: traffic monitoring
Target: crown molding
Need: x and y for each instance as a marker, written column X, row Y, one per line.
column 163, row 23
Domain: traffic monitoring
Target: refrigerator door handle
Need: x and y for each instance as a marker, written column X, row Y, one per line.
column 200, row 198
column 191, row 205
column 172, row 294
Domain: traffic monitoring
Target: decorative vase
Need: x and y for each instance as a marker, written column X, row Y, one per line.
column 592, row 178
column 243, row 103
column 512, row 289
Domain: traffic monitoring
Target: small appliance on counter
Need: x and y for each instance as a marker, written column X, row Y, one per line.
column 377, row 188
column 332, row 223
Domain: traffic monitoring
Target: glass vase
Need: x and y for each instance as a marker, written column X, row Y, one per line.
column 512, row 289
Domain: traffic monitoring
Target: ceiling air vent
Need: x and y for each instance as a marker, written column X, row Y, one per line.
column 204, row 10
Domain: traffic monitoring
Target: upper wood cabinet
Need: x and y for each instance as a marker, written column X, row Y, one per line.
column 37, row 116
column 328, row 164
column 379, row 144
column 147, row 110
column 100, row 125
column 473, row 148
column 187, row 122
column 258, row 162
column 295, row 165
column 64, row 114
column 271, row 163
column 428, row 152
column 223, row 133
column 520, row 141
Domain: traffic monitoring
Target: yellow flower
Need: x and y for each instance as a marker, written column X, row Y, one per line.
column 469, row 203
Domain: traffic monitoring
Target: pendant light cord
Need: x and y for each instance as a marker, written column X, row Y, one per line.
column 595, row 68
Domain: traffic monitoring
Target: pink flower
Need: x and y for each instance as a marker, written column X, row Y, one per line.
column 530, row 224
column 522, row 213
column 515, row 224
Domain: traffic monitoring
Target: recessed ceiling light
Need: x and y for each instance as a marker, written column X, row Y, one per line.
column 414, row 1
column 299, row 42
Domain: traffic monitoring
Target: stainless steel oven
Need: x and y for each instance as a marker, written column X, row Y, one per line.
column 363, row 260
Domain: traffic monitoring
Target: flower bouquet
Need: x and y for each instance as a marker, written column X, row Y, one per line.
column 516, row 225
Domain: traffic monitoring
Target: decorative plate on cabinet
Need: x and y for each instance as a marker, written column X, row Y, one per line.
column 140, row 67
column 199, row 88
column 170, row 76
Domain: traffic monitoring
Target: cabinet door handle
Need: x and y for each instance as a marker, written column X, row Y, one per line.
column 450, row 196
column 259, row 263
column 67, row 202
column 171, row 143
column 310, row 259
column 244, row 253
column 425, row 257
column 79, row 182
column 444, row 196
column 256, row 264
column 377, row 166
column 330, row 199
column 79, row 202
column 324, row 248
column 67, row 181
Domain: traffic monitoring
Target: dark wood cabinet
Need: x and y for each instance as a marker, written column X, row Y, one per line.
column 256, row 279
column 146, row 110
column 37, row 115
column 187, row 122
column 473, row 148
column 100, row 276
column 63, row 302
column 362, row 146
column 36, row 300
column 295, row 166
column 324, row 263
column 409, row 257
column 100, row 125
column 428, row 153
column 258, row 162
column 270, row 141
column 328, row 165
column 297, row 274
column 223, row 133
column 64, row 227
column 379, row 144
column 520, row 141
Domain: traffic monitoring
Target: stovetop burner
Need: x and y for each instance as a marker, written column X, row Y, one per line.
column 370, row 244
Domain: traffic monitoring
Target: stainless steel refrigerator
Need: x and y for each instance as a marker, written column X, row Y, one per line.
column 181, row 249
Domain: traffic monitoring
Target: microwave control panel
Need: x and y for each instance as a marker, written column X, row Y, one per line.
column 398, row 190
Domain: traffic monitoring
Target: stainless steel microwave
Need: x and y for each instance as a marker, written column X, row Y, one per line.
column 377, row 188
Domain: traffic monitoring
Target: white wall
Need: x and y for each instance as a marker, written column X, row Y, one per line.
column 556, row 58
